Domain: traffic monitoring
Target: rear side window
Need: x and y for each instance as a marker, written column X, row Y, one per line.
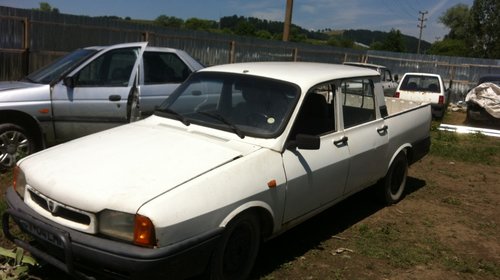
column 358, row 102
column 164, row 68
column 420, row 83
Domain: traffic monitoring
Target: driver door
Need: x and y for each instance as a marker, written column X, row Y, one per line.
column 99, row 94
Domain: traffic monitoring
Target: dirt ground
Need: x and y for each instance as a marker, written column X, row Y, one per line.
column 446, row 227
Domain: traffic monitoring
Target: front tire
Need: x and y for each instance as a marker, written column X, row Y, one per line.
column 394, row 182
column 15, row 143
column 235, row 254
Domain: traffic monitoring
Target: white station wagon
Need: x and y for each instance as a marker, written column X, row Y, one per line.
column 235, row 156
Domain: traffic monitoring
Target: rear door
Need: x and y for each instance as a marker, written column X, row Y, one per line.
column 365, row 131
column 163, row 72
column 99, row 94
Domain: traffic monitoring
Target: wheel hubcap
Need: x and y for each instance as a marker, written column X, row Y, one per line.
column 13, row 145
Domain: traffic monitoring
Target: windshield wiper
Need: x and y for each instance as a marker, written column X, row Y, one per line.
column 221, row 118
column 173, row 113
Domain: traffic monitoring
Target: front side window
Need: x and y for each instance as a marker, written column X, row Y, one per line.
column 316, row 115
column 244, row 104
column 358, row 103
column 110, row 69
column 55, row 70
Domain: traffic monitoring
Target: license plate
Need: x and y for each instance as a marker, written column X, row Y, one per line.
column 41, row 233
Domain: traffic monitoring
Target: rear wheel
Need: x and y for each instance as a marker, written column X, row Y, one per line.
column 393, row 185
column 235, row 255
column 15, row 143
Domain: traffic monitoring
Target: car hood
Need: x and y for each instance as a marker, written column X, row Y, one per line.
column 123, row 168
column 16, row 85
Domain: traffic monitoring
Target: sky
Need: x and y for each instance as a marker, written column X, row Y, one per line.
column 375, row 15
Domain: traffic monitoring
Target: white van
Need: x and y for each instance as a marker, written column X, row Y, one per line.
column 424, row 87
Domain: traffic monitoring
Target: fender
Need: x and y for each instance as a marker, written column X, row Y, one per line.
column 402, row 148
column 247, row 206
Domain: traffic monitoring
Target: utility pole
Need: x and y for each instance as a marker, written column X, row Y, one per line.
column 422, row 19
column 288, row 20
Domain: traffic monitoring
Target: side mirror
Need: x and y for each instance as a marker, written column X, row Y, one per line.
column 396, row 77
column 69, row 82
column 305, row 142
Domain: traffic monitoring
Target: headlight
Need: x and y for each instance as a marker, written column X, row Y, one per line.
column 128, row 227
column 19, row 181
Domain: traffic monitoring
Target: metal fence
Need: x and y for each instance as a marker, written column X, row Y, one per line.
column 30, row 39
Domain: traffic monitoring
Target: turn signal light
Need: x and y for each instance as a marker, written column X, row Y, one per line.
column 144, row 231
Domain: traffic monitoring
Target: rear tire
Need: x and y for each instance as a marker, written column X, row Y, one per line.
column 237, row 250
column 15, row 143
column 394, row 182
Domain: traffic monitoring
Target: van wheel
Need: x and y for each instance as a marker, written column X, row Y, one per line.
column 237, row 250
column 15, row 143
column 394, row 182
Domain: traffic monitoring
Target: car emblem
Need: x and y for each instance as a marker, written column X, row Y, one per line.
column 52, row 206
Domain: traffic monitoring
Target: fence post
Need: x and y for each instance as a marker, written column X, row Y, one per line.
column 295, row 54
column 232, row 47
column 26, row 46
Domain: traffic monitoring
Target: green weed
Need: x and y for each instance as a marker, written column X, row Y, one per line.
column 474, row 148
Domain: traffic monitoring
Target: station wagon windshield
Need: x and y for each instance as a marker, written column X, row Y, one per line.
column 54, row 70
column 243, row 104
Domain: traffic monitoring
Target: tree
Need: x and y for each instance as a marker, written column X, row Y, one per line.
column 45, row 7
column 456, row 19
column 168, row 21
column 244, row 28
column 200, row 24
column 393, row 42
column 485, row 29
column 450, row 47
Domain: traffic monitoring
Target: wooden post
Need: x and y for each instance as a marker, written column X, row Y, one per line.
column 288, row 20
column 145, row 36
column 232, row 52
column 26, row 46
column 295, row 54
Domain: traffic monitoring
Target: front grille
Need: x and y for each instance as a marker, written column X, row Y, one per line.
column 59, row 210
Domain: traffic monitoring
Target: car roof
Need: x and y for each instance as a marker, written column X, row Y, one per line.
column 488, row 78
column 362, row 64
column 301, row 73
column 422, row 74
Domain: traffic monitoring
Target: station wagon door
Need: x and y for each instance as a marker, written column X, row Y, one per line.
column 99, row 94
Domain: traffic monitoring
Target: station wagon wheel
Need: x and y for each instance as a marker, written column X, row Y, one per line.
column 235, row 254
column 395, row 181
column 15, row 143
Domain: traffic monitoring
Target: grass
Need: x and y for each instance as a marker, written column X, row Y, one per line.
column 472, row 148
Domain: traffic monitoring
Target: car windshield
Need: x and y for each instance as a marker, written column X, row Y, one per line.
column 243, row 104
column 420, row 83
column 54, row 70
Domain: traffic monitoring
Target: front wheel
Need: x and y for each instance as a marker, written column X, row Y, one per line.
column 394, row 182
column 15, row 143
column 235, row 255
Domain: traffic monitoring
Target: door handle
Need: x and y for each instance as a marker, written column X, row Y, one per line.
column 114, row 97
column 341, row 142
column 383, row 129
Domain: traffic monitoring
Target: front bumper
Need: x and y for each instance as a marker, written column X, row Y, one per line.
column 83, row 255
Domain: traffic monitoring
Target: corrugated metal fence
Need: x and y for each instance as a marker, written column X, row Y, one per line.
column 30, row 39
